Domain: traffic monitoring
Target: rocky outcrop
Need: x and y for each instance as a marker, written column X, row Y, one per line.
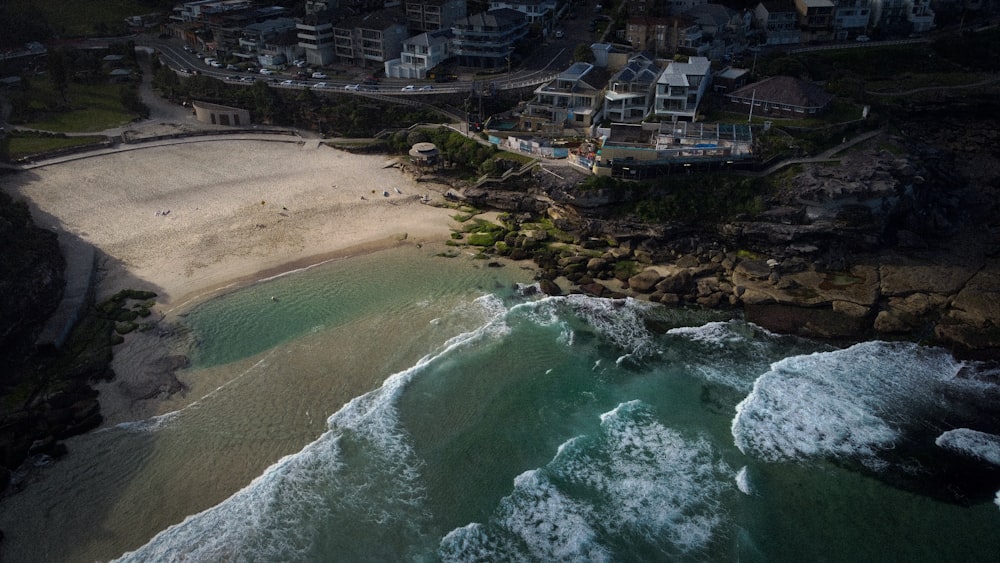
column 884, row 245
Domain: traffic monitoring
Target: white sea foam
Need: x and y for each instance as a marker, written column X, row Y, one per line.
column 847, row 403
column 996, row 500
column 730, row 353
column 972, row 443
column 278, row 516
column 636, row 478
column 743, row 481
column 148, row 425
column 259, row 521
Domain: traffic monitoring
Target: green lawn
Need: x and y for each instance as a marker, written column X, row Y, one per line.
column 18, row 146
column 91, row 107
column 87, row 18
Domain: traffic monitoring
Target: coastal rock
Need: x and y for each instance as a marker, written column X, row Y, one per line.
column 645, row 281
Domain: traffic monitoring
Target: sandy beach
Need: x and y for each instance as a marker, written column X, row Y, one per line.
column 189, row 220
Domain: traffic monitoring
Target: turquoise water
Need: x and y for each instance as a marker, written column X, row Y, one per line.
column 437, row 412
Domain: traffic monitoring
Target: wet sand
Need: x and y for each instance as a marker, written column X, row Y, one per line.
column 190, row 220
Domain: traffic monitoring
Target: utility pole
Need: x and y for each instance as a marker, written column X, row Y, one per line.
column 753, row 98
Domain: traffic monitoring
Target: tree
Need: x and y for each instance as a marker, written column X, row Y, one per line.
column 59, row 71
column 582, row 53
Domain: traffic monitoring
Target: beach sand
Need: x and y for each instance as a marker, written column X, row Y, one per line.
column 190, row 220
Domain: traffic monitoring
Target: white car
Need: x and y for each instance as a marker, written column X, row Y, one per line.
column 320, row 85
column 863, row 39
column 352, row 87
column 288, row 83
column 408, row 88
column 426, row 88
column 319, row 75
column 266, row 71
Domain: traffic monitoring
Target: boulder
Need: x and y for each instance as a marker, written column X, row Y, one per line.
column 645, row 281
column 674, row 283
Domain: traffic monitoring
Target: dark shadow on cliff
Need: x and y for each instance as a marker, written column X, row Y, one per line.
column 63, row 347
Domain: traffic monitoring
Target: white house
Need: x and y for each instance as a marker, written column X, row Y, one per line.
column 420, row 54
column 681, row 87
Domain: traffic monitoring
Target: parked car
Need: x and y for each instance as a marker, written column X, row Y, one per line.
column 266, row 71
column 287, row 83
column 321, row 85
column 352, row 86
column 408, row 88
column 426, row 88
column 319, row 75
column 559, row 34
column 863, row 39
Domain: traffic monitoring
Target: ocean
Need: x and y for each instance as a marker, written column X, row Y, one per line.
column 404, row 406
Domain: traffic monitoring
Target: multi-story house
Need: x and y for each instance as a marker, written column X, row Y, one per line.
column 316, row 6
column 723, row 31
column 631, row 91
column 420, row 55
column 815, row 19
column 431, row 15
column 661, row 36
column 487, row 39
column 254, row 36
column 675, row 7
column 891, row 16
column 920, row 15
column 370, row 39
column 316, row 38
column 537, row 12
column 779, row 20
column 850, row 17
column 573, row 99
column 681, row 87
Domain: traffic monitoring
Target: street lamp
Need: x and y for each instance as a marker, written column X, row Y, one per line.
column 508, row 69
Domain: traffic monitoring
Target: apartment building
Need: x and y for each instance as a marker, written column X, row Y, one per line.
column 487, row 39
column 432, row 15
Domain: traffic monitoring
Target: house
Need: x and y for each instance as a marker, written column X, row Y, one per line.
column 920, row 15
column 779, row 21
column 680, row 89
column 370, row 39
column 815, row 19
column 890, row 16
column 850, row 17
column 254, row 36
column 538, row 12
column 420, row 55
column 631, row 91
column 674, row 7
column 729, row 79
column 647, row 150
column 432, row 15
column 573, row 99
column 780, row 96
column 661, row 36
column 487, row 39
column 120, row 75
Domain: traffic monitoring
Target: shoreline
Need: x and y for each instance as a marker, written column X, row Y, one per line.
column 193, row 221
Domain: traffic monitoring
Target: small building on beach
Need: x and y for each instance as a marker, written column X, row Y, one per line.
column 216, row 114
column 424, row 154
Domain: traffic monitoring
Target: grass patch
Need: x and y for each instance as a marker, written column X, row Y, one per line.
column 19, row 146
column 93, row 17
column 91, row 107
